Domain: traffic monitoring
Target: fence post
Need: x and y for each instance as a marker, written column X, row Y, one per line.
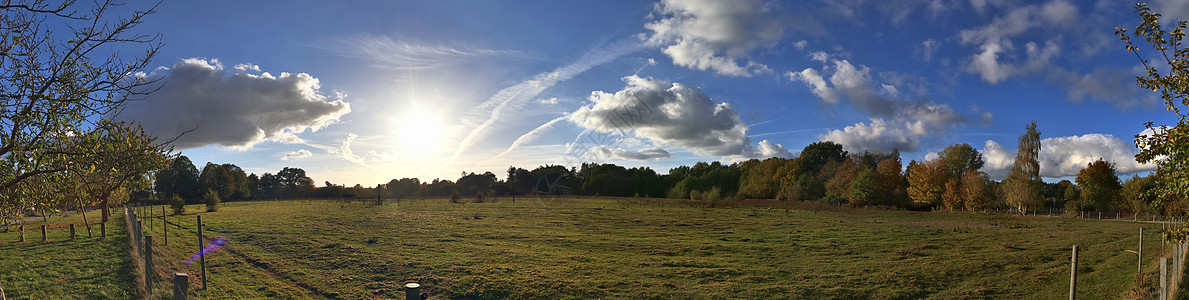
column 150, row 212
column 181, row 283
column 164, row 226
column 201, row 255
column 72, row 231
column 140, row 237
column 1139, row 264
column 1073, row 274
column 1163, row 278
column 148, row 263
column 412, row 291
column 44, row 237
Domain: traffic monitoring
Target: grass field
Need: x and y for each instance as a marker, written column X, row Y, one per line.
column 625, row 248
column 84, row 268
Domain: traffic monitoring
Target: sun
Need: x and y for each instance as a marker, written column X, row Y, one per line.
column 419, row 131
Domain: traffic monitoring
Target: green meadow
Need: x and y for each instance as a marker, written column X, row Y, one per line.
column 619, row 248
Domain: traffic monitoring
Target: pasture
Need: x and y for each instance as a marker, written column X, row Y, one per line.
column 582, row 248
column 552, row 248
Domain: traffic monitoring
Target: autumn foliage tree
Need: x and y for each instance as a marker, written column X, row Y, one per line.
column 1022, row 187
column 926, row 183
column 1100, row 186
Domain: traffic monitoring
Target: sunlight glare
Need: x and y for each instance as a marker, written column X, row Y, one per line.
column 419, row 132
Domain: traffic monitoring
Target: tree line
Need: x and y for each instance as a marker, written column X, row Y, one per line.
column 823, row 172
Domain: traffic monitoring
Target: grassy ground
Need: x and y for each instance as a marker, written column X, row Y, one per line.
column 83, row 268
column 624, row 248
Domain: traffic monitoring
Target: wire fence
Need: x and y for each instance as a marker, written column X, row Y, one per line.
column 1170, row 273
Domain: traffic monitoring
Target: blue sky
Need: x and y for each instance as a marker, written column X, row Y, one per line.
column 364, row 92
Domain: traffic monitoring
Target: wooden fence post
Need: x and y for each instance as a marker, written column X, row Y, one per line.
column 181, row 283
column 148, row 263
column 1163, row 278
column 1139, row 264
column 164, row 226
column 412, row 291
column 201, row 255
column 72, row 231
column 1073, row 274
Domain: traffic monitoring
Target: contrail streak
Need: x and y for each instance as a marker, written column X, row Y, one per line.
column 527, row 137
column 515, row 96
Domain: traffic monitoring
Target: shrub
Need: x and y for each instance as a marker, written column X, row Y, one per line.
column 713, row 196
column 212, row 201
column 178, row 205
column 479, row 198
column 455, row 196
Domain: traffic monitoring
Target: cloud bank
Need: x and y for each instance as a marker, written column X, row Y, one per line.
column 714, row 35
column 231, row 108
column 672, row 114
column 1067, row 155
column 894, row 123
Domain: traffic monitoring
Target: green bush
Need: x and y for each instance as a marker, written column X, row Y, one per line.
column 479, row 198
column 212, row 200
column 178, row 205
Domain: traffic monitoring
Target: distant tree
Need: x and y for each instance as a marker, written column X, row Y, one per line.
column 1022, row 188
column 816, row 155
column 211, row 198
column 761, row 179
column 1137, row 193
column 269, row 187
column 180, row 178
column 1100, row 186
column 891, row 188
column 954, row 198
column 293, row 183
column 862, row 188
column 977, row 189
column 838, row 176
column 252, row 184
column 926, row 183
column 1073, row 197
column 959, row 158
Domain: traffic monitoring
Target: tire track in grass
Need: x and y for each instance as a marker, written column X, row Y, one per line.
column 275, row 274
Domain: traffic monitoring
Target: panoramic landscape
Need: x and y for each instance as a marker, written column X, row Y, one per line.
column 674, row 149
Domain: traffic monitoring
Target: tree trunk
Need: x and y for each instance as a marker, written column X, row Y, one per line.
column 83, row 209
column 106, row 211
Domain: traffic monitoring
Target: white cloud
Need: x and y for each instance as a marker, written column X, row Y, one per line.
column 995, row 42
column 671, row 114
column 895, row 123
column 406, row 55
column 816, row 83
column 927, row 48
column 819, row 56
column 1067, row 155
column 247, row 67
column 552, row 100
column 800, row 45
column 714, row 35
column 303, row 153
column 877, row 135
column 234, row 110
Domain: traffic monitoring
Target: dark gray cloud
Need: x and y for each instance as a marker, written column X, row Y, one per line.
column 620, row 153
column 233, row 109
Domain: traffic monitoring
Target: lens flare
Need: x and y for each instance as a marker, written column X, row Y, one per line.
column 214, row 245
